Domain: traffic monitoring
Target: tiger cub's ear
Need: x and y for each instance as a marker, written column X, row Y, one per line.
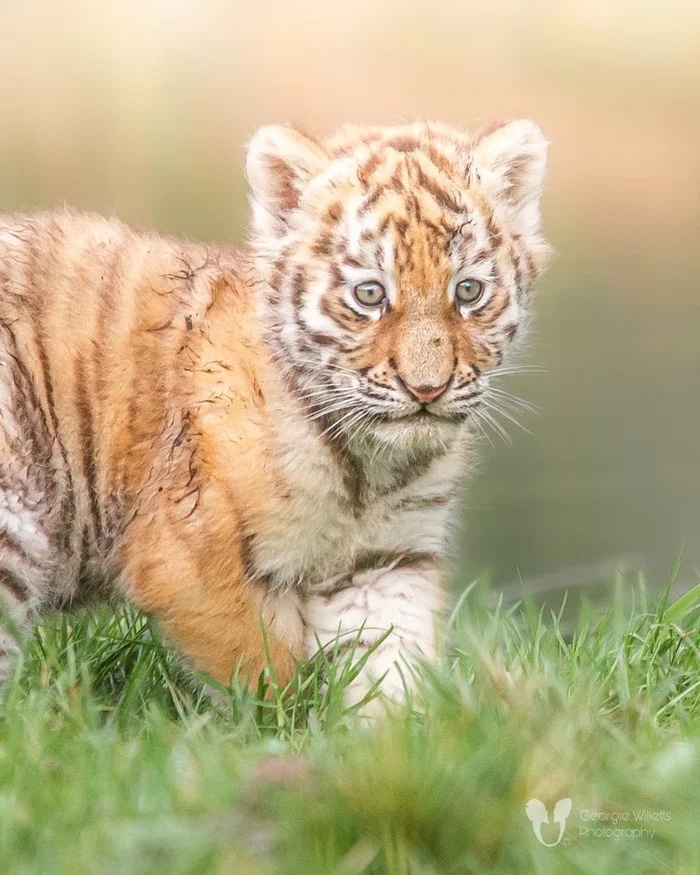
column 510, row 164
column 280, row 163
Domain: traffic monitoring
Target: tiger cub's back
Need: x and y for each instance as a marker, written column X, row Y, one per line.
column 94, row 327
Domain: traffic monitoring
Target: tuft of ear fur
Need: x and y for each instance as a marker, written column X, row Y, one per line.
column 280, row 162
column 510, row 163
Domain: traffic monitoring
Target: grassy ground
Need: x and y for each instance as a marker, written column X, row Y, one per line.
column 113, row 760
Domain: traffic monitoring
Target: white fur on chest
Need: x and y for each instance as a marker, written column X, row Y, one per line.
column 316, row 532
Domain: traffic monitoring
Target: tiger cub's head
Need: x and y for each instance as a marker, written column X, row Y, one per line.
column 397, row 263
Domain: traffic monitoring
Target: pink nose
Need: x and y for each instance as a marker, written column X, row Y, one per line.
column 425, row 394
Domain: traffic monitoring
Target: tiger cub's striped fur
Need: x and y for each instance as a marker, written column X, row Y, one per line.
column 225, row 436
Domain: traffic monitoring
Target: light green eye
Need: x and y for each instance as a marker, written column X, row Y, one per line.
column 469, row 291
column 370, row 294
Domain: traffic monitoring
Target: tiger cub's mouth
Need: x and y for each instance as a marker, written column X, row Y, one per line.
column 435, row 412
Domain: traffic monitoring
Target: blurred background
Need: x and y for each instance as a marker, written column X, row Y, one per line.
column 142, row 109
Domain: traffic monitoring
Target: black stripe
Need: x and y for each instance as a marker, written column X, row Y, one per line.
column 30, row 419
column 9, row 542
column 14, row 585
column 495, row 233
column 82, row 404
column 402, row 143
column 418, row 466
column 365, row 171
column 353, row 476
column 413, row 208
column 339, row 585
column 247, row 558
column 442, row 197
column 385, row 559
column 370, row 200
column 107, row 299
column 319, row 338
column 84, row 556
column 419, row 503
column 298, row 287
column 68, row 505
column 323, row 245
column 28, row 389
column 350, row 468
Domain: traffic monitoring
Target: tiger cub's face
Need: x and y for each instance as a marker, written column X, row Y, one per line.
column 398, row 263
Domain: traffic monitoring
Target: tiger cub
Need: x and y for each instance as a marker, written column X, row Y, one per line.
column 262, row 449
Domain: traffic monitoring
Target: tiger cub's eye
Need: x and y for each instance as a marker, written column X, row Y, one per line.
column 469, row 291
column 370, row 294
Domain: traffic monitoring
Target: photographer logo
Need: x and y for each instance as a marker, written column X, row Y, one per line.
column 537, row 814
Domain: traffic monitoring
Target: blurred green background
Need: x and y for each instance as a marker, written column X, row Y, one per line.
column 142, row 108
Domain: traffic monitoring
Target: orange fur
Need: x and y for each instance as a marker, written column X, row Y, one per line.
column 156, row 381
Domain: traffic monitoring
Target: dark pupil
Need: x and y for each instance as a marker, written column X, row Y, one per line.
column 470, row 289
column 371, row 293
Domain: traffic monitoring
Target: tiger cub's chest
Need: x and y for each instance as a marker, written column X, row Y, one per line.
column 316, row 528
column 310, row 536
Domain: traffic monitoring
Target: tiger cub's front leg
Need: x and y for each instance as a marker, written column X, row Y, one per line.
column 351, row 613
column 189, row 577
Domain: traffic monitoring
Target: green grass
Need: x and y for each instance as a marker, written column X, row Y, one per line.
column 112, row 758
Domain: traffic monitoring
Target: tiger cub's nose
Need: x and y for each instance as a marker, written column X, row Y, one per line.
column 424, row 394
